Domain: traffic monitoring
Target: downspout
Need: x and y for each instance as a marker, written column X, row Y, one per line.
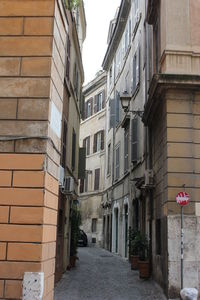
column 113, row 165
column 148, row 138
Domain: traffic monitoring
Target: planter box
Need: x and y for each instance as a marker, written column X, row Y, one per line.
column 144, row 269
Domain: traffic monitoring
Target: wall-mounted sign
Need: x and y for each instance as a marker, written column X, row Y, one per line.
column 55, row 122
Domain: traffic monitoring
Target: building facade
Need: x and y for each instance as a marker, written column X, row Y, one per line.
column 124, row 62
column 172, row 117
column 71, row 116
column 92, row 136
column 34, row 99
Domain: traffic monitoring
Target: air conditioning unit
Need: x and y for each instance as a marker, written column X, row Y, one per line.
column 68, row 185
column 149, row 182
column 61, row 176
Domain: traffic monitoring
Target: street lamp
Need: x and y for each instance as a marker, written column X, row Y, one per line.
column 125, row 99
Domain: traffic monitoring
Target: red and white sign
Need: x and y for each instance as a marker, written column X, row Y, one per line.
column 183, row 198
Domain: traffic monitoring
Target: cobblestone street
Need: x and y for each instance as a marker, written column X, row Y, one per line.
column 100, row 275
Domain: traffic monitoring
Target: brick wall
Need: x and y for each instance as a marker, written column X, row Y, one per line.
column 28, row 161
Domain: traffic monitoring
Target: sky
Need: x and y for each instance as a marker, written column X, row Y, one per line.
column 99, row 13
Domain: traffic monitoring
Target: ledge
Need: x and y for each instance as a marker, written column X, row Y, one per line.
column 161, row 83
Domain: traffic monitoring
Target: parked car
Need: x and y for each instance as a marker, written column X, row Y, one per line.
column 82, row 241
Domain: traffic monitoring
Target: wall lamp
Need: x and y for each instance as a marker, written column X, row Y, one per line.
column 125, row 99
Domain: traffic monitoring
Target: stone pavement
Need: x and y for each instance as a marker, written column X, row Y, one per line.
column 100, row 275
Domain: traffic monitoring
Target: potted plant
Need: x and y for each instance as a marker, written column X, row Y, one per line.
column 75, row 231
column 134, row 248
column 143, row 263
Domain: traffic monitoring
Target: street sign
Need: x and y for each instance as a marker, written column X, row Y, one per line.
column 183, row 198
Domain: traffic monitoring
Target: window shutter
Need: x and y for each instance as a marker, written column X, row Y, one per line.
column 73, row 150
column 102, row 140
column 117, row 99
column 134, row 140
column 112, row 113
column 95, row 104
column 84, row 143
column 91, row 102
column 82, row 163
column 88, row 149
column 138, row 66
column 95, row 143
column 117, row 163
column 96, row 179
column 103, row 99
column 134, row 72
column 86, row 110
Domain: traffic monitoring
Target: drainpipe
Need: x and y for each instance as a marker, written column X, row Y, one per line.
column 148, row 135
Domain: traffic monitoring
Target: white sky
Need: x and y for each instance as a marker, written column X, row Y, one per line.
column 99, row 13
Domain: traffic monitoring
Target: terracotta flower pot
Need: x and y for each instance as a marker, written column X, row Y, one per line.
column 134, row 262
column 144, row 269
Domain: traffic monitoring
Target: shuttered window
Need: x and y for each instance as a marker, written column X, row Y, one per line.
column 117, row 108
column 126, row 139
column 82, row 163
column 68, row 57
column 134, row 140
column 98, row 143
column 117, row 162
column 136, row 69
column 96, row 179
column 86, row 145
column 99, row 101
column 112, row 113
column 88, row 108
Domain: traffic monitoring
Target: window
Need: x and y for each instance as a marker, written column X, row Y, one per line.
column 126, row 139
column 99, row 102
column 88, row 108
column 73, row 150
column 98, row 141
column 96, row 179
column 84, row 183
column 86, row 145
column 136, row 69
column 117, row 162
column 158, row 236
column 94, row 225
column 64, row 144
column 109, row 160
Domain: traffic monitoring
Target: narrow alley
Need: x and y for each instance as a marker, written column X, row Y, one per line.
column 100, row 275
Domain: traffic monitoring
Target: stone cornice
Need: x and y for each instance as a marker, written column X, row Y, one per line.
column 160, row 84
